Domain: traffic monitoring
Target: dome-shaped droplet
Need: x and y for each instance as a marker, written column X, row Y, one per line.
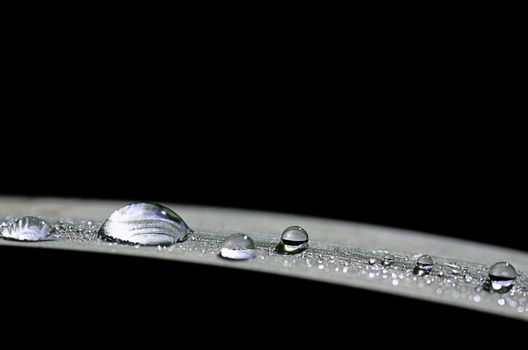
column 145, row 224
column 424, row 265
column 293, row 240
column 28, row 228
column 502, row 276
column 238, row 246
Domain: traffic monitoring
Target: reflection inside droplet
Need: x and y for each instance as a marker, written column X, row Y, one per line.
column 238, row 246
column 502, row 276
column 424, row 265
column 293, row 240
column 27, row 228
column 387, row 260
column 145, row 224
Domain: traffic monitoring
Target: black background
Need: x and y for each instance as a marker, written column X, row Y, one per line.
column 418, row 132
column 426, row 145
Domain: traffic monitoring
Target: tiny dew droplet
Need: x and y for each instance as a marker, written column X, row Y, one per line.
column 145, row 224
column 27, row 228
column 387, row 260
column 293, row 240
column 502, row 276
column 238, row 246
column 424, row 265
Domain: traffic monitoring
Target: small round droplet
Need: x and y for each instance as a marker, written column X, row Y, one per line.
column 502, row 276
column 372, row 261
column 387, row 260
column 424, row 265
column 145, row 224
column 238, row 246
column 454, row 268
column 27, row 228
column 293, row 240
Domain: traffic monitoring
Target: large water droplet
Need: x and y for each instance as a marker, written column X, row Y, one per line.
column 145, row 224
column 238, row 246
column 502, row 276
column 293, row 240
column 27, row 228
column 424, row 265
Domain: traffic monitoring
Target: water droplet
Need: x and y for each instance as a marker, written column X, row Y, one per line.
column 27, row 228
column 293, row 240
column 372, row 261
column 424, row 265
column 468, row 278
column 238, row 246
column 455, row 268
column 502, row 276
column 387, row 260
column 145, row 224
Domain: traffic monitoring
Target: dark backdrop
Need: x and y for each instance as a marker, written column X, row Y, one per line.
column 411, row 131
column 419, row 144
